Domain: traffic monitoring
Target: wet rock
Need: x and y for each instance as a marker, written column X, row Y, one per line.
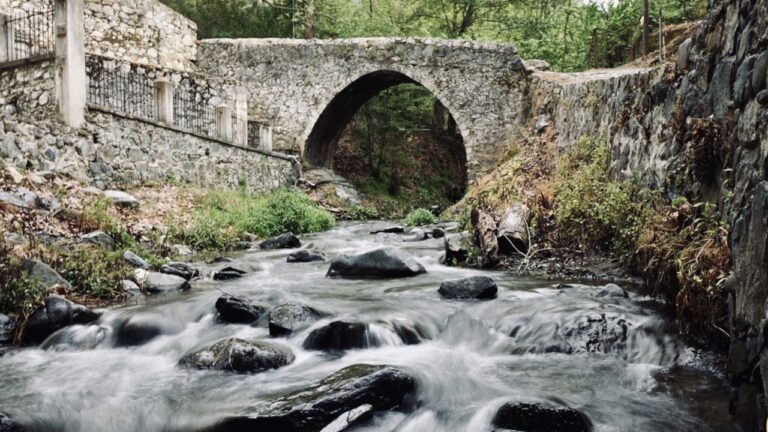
column 140, row 329
column 122, row 199
column 161, row 283
column 351, row 418
column 83, row 315
column 612, row 290
column 408, row 333
column 228, row 273
column 437, row 233
column 338, row 336
column 237, row 311
column 380, row 263
column 8, row 424
column 475, row 287
column 390, row 230
column 304, row 256
column 6, row 330
column 283, row 241
column 180, row 269
column 742, row 85
column 457, row 249
column 720, row 88
column 762, row 98
column 289, row 317
column 76, row 337
column 597, row 333
column 240, row 356
column 54, row 315
column 135, row 260
column 513, row 230
column 384, row 388
column 44, row 274
column 540, row 417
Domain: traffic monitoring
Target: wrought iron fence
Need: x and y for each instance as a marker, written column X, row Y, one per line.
column 191, row 112
column 122, row 89
column 31, row 34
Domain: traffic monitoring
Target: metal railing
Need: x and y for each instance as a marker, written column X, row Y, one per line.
column 191, row 112
column 124, row 90
column 30, row 34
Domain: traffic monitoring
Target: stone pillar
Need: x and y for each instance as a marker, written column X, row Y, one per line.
column 5, row 39
column 265, row 137
column 164, row 101
column 71, row 79
column 224, row 123
column 241, row 115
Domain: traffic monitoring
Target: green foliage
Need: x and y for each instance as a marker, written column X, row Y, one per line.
column 18, row 291
column 223, row 217
column 420, row 217
column 569, row 35
column 592, row 210
column 93, row 272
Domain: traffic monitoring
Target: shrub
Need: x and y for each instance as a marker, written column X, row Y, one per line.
column 223, row 217
column 420, row 217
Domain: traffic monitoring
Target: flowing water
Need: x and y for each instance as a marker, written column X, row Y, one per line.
column 475, row 356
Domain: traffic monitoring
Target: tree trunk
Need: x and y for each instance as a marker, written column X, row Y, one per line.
column 485, row 236
column 310, row 19
column 513, row 231
column 645, row 28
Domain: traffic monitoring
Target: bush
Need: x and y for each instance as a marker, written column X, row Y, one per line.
column 223, row 218
column 420, row 217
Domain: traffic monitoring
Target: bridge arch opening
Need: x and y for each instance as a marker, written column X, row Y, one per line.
column 434, row 144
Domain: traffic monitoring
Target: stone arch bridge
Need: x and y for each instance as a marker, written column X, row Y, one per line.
column 308, row 90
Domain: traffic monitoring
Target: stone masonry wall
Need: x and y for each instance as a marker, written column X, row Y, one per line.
column 113, row 148
column 699, row 127
column 141, row 31
column 29, row 89
column 291, row 82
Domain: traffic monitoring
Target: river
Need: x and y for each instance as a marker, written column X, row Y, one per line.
column 475, row 355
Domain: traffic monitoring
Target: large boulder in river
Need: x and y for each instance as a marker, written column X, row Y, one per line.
column 55, row 314
column 475, row 287
column 162, row 283
column 238, row 311
column 338, row 336
column 140, row 329
column 597, row 333
column 612, row 291
column 238, row 355
column 379, row 263
column 289, row 317
column 283, row 241
column 540, row 417
column 384, row 388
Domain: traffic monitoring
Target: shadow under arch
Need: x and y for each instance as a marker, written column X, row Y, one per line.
column 320, row 147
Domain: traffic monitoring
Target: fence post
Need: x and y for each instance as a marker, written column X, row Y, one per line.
column 241, row 114
column 71, row 78
column 265, row 137
column 224, row 123
column 5, row 39
column 164, row 101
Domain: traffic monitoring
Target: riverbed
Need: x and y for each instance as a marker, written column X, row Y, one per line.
column 473, row 356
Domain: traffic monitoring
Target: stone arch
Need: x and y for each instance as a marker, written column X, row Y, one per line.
column 320, row 141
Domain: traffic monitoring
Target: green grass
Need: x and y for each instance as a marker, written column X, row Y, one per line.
column 224, row 216
column 420, row 217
